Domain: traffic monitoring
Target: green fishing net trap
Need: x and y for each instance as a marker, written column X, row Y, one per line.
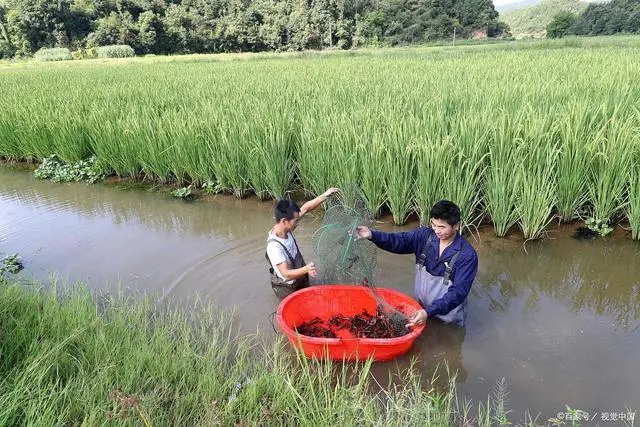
column 340, row 258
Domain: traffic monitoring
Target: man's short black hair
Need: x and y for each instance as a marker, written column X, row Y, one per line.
column 446, row 211
column 286, row 208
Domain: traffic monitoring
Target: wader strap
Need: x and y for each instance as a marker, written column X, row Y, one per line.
column 448, row 266
column 422, row 260
column 293, row 262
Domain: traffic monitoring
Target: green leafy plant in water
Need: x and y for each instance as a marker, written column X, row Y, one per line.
column 183, row 193
column 88, row 170
column 11, row 264
column 211, row 187
column 599, row 226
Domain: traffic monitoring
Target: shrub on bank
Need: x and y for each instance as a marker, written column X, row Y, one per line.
column 115, row 51
column 53, row 54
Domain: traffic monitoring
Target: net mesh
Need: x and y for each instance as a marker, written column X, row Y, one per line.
column 339, row 257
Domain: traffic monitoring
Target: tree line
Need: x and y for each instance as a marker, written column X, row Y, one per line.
column 209, row 26
column 616, row 16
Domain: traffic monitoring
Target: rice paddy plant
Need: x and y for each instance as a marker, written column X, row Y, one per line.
column 9, row 146
column 502, row 182
column 315, row 162
column 69, row 139
column 398, row 171
column 467, row 169
column 156, row 150
column 341, row 138
column 114, row 145
column 537, row 172
column 574, row 129
column 432, row 158
column 271, row 163
column 229, row 149
column 609, row 173
column 370, row 150
column 372, row 157
column 179, row 150
column 34, row 138
column 337, row 122
column 433, row 151
column 347, row 170
column 191, row 162
column 633, row 193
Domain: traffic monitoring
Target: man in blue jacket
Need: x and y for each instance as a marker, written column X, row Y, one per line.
column 446, row 264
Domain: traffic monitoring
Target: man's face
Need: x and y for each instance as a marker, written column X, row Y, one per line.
column 443, row 230
column 291, row 224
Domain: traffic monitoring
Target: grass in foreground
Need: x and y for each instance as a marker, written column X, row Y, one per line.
column 66, row 360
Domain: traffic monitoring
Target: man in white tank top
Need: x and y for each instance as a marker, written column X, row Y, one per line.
column 289, row 272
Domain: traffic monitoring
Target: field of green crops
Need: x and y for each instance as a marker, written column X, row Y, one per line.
column 516, row 134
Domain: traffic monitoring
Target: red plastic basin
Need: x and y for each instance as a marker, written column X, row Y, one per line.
column 328, row 300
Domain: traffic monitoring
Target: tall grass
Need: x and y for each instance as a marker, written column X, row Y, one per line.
column 537, row 174
column 69, row 361
column 407, row 127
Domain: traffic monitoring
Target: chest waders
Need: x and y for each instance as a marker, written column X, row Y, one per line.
column 429, row 288
column 280, row 286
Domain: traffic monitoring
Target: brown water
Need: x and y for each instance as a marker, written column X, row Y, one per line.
column 560, row 323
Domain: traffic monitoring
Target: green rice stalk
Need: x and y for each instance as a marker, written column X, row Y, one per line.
column 574, row 130
column 467, row 170
column 612, row 161
column 372, row 157
column 633, row 192
column 537, row 187
column 229, row 150
column 432, row 157
column 399, row 173
column 115, row 145
column 503, row 180
column 314, row 156
column 271, row 164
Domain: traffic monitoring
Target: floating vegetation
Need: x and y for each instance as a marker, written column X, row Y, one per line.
column 184, row 193
column 599, row 226
column 212, row 187
column 11, row 264
column 56, row 170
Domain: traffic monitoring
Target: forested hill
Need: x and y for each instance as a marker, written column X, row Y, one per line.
column 533, row 20
column 201, row 26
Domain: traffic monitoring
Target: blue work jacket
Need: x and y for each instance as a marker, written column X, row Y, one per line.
column 463, row 272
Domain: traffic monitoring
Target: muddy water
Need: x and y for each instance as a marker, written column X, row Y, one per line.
column 560, row 322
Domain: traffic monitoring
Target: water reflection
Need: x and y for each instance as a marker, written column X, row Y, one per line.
column 147, row 209
column 599, row 276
